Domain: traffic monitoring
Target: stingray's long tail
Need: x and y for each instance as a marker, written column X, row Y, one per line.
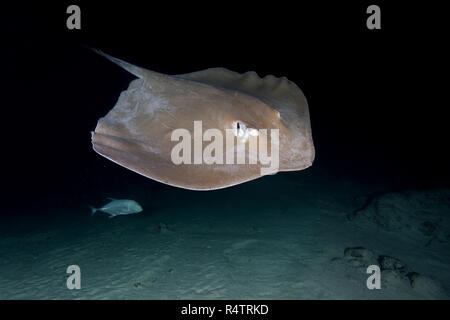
column 137, row 71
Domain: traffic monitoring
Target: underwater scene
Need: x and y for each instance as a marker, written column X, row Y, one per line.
column 120, row 181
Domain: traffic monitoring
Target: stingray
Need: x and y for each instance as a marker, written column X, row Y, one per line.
column 270, row 113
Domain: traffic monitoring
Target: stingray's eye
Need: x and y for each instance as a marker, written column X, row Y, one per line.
column 242, row 132
column 240, row 129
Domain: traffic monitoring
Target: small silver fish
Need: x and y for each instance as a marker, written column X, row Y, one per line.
column 118, row 207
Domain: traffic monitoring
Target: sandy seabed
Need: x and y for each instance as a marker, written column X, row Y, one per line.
column 274, row 238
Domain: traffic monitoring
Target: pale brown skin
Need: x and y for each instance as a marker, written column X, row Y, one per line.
column 136, row 133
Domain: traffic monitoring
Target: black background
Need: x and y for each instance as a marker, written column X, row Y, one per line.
column 376, row 97
column 163, row 309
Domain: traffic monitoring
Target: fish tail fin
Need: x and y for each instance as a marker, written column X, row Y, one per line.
column 137, row 71
column 93, row 210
